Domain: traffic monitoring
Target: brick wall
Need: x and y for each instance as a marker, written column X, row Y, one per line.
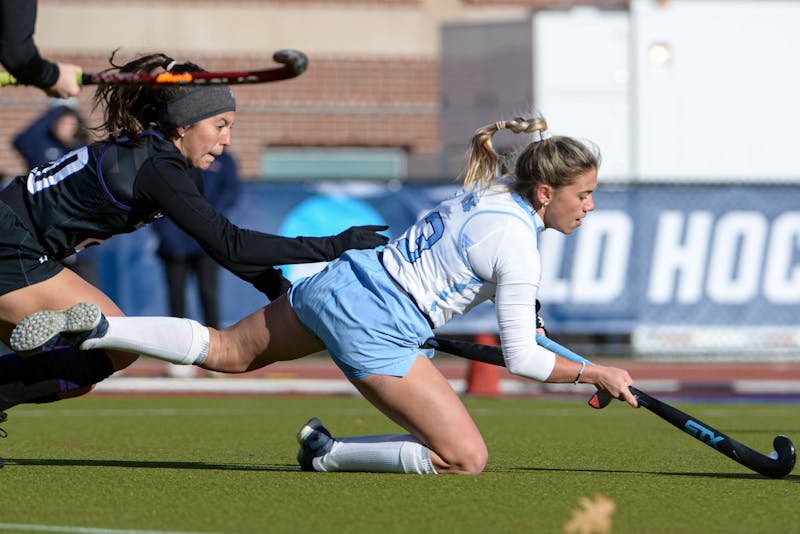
column 382, row 99
column 380, row 102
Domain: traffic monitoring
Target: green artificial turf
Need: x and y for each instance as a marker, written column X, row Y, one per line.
column 227, row 464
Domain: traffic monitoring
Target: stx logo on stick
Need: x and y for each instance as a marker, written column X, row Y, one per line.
column 702, row 433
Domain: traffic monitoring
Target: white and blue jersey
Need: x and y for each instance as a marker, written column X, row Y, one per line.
column 469, row 249
column 454, row 257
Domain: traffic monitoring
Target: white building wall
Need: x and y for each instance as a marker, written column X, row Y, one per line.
column 682, row 90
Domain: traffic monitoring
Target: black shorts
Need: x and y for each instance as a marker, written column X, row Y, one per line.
column 23, row 261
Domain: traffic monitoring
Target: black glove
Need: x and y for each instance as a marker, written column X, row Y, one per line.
column 539, row 321
column 361, row 237
column 272, row 283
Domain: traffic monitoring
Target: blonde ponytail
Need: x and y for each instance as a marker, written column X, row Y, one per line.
column 483, row 162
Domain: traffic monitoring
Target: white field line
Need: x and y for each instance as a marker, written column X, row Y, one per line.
column 333, row 386
column 579, row 409
column 222, row 385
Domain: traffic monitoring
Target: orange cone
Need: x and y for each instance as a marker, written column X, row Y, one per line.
column 484, row 378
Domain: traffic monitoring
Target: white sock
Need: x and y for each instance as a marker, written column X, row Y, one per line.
column 392, row 453
column 181, row 341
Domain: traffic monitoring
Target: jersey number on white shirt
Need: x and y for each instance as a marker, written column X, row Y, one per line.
column 423, row 242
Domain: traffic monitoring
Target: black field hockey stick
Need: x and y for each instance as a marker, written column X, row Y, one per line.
column 294, row 63
column 777, row 464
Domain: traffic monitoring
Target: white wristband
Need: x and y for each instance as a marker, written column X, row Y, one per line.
column 580, row 373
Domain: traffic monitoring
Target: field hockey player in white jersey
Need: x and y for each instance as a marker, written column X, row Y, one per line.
column 372, row 310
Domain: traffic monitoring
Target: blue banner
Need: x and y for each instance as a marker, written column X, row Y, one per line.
column 664, row 255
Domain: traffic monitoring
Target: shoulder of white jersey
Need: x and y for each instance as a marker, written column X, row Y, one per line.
column 503, row 201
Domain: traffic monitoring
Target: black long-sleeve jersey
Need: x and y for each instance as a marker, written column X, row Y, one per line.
column 18, row 52
column 114, row 187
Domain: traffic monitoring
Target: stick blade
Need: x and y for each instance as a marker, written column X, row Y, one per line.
column 783, row 458
column 296, row 60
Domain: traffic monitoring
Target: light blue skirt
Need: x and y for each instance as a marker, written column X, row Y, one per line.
column 368, row 324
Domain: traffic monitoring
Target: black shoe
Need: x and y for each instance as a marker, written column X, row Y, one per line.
column 315, row 441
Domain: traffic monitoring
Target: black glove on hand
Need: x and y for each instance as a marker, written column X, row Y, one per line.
column 360, row 237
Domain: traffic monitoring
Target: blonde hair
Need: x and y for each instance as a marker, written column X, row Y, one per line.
column 551, row 160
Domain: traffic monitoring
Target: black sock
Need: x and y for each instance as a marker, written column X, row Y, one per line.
column 43, row 377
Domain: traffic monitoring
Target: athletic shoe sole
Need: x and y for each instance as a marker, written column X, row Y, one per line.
column 312, row 425
column 39, row 329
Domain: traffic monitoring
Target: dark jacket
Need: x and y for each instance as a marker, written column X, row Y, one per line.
column 38, row 145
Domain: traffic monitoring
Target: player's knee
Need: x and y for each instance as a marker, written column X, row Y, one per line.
column 470, row 460
column 475, row 462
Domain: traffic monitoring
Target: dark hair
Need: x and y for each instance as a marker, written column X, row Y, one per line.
column 131, row 109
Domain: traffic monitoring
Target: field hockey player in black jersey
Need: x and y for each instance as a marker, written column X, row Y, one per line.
column 146, row 168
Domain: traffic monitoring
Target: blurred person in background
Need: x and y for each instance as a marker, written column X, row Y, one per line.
column 141, row 172
column 57, row 131
column 373, row 310
column 18, row 52
column 60, row 129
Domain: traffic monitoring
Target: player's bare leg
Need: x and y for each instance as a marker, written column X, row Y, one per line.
column 443, row 438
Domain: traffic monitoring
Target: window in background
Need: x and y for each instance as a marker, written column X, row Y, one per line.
column 319, row 163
